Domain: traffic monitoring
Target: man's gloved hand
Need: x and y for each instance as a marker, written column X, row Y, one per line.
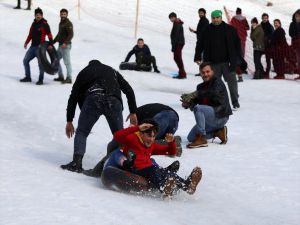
column 188, row 100
column 129, row 162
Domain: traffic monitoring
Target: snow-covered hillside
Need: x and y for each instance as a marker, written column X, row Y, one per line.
column 253, row 179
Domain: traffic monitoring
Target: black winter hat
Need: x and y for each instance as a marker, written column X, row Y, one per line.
column 38, row 11
column 238, row 11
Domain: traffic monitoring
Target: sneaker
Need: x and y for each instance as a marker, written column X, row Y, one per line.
column 17, row 7
column 193, row 180
column 179, row 77
column 156, row 71
column 59, row 79
column 236, row 106
column 240, row 79
column 173, row 167
column 75, row 165
column 169, row 186
column 222, row 135
column 25, row 79
column 199, row 141
column 40, row 82
column 28, row 9
column 67, row 81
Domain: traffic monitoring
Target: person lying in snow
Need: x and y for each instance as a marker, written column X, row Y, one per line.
column 138, row 145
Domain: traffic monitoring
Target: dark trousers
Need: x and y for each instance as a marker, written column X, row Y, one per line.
column 148, row 60
column 28, row 2
column 178, row 60
column 93, row 107
column 158, row 176
column 257, row 61
column 268, row 60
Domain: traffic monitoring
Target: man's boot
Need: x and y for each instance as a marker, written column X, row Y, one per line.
column 173, row 167
column 156, row 70
column 169, row 187
column 96, row 171
column 222, row 135
column 75, row 165
column 199, row 141
column 193, row 180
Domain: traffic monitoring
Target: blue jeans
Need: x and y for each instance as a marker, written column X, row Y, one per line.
column 64, row 53
column 167, row 121
column 31, row 53
column 206, row 122
column 116, row 159
column 93, row 107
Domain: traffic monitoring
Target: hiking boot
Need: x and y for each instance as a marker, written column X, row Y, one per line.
column 169, row 186
column 25, row 79
column 59, row 79
column 240, row 79
column 156, row 71
column 173, row 167
column 222, row 135
column 67, row 81
column 199, row 141
column 193, row 180
column 39, row 82
column 75, row 165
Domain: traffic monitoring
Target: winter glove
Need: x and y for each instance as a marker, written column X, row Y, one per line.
column 188, row 100
column 128, row 163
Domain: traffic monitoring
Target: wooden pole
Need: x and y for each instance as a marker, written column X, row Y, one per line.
column 136, row 17
column 78, row 8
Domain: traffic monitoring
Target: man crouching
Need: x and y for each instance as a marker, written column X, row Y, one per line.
column 211, row 108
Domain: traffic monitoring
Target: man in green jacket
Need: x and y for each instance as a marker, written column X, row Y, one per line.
column 64, row 37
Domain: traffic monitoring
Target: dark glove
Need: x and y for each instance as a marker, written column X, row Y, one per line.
column 188, row 100
column 129, row 162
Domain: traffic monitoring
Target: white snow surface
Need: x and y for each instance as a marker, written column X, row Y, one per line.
column 252, row 180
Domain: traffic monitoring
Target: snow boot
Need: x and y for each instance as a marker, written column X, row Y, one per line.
column 59, row 79
column 75, row 165
column 169, row 187
column 199, row 141
column 156, row 70
column 221, row 134
column 67, row 81
column 39, row 82
column 25, row 79
column 173, row 167
column 193, row 180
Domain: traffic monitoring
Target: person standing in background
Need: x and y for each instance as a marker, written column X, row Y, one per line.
column 28, row 5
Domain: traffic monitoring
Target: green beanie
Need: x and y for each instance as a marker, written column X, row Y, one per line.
column 216, row 13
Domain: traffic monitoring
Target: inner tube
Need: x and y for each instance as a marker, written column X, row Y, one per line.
column 50, row 67
column 135, row 66
column 124, row 181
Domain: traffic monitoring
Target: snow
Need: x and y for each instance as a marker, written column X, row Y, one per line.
column 253, row 179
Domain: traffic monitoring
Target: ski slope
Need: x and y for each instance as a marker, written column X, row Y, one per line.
column 253, row 179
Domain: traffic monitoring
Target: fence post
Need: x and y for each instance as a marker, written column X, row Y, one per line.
column 136, row 17
column 78, row 9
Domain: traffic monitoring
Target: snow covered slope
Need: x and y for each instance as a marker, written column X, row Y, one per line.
column 254, row 179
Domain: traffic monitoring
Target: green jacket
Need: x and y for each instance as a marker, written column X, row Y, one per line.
column 257, row 36
column 65, row 32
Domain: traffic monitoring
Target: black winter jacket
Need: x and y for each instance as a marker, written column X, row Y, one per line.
column 203, row 23
column 136, row 50
column 103, row 76
column 148, row 111
column 177, row 34
column 216, row 93
column 219, row 45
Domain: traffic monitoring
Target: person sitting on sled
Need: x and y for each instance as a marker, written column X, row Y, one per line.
column 138, row 144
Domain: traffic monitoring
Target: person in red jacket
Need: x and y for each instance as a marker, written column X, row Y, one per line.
column 37, row 35
column 139, row 141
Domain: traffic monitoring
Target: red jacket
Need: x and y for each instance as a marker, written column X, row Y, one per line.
column 38, row 31
column 240, row 23
column 130, row 139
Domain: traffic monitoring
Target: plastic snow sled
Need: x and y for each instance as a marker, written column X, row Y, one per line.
column 124, row 181
column 50, row 67
column 135, row 66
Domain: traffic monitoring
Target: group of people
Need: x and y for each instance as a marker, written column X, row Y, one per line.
column 37, row 35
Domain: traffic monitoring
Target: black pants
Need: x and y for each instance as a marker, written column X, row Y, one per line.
column 28, row 2
column 148, row 59
column 257, row 61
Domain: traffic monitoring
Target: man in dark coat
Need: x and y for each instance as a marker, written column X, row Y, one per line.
column 294, row 32
column 268, row 31
column 220, row 46
column 211, row 108
column 177, row 42
column 142, row 55
column 37, row 35
column 64, row 39
column 97, row 91
column 202, row 24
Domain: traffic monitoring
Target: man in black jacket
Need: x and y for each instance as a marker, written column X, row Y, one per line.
column 268, row 31
column 97, row 91
column 220, row 47
column 202, row 24
column 211, row 108
column 142, row 55
column 177, row 42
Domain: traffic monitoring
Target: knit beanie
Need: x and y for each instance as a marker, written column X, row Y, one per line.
column 216, row 13
column 38, row 11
